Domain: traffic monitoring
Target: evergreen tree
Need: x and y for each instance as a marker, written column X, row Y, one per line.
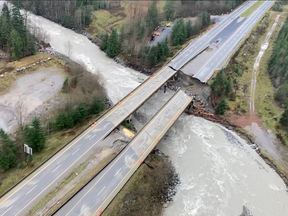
column 151, row 57
column 189, row 29
column 113, row 45
column 5, row 12
column 5, row 32
column 169, row 10
column 97, row 106
column 17, row 21
column 152, row 16
column 34, row 135
column 8, row 152
column 104, row 43
column 60, row 121
column 179, row 33
column 205, row 19
column 284, row 118
column 221, row 107
column 16, row 45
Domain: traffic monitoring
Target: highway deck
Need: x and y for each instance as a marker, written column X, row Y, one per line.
column 25, row 195
column 226, row 49
column 96, row 196
column 201, row 43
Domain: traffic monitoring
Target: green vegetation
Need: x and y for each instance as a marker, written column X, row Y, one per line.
column 221, row 107
column 71, row 14
column 152, row 17
column 277, row 7
column 70, row 117
column 232, row 83
column 181, row 30
column 35, row 135
column 179, row 33
column 8, row 152
column 113, row 44
column 250, row 10
column 54, row 141
column 284, row 118
column 14, row 38
column 127, row 125
column 278, row 68
column 156, row 54
column 222, row 85
column 169, row 10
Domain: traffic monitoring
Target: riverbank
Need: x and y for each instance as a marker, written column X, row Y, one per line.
column 244, row 134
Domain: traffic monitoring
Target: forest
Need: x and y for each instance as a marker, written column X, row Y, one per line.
column 278, row 68
column 14, row 38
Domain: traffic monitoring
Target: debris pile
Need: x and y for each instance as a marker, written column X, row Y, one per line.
column 32, row 65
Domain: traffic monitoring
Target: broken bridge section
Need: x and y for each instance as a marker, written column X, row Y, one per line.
column 98, row 193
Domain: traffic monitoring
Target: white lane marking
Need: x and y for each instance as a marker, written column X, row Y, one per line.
column 153, row 131
column 31, row 189
column 92, row 136
column 106, row 125
column 75, row 151
column 117, row 172
column 131, row 103
column 6, row 211
column 131, row 156
column 142, row 144
column 56, row 168
column 178, row 102
column 142, row 93
column 101, row 190
column 168, row 113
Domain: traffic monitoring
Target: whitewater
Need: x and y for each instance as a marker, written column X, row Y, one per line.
column 218, row 170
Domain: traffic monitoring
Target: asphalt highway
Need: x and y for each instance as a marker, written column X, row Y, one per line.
column 227, row 48
column 200, row 44
column 96, row 196
column 24, row 196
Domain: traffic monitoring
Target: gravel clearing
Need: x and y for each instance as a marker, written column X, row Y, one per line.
column 30, row 90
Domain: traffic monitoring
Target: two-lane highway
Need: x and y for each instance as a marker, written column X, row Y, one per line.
column 24, row 196
column 96, row 196
column 226, row 49
column 200, row 44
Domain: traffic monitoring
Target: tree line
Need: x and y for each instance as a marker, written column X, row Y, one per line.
column 71, row 14
column 132, row 34
column 14, row 37
column 11, row 154
column 278, row 68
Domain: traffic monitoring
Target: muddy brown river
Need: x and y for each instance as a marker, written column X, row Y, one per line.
column 219, row 172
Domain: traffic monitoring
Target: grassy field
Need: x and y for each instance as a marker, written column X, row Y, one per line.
column 250, row 10
column 54, row 142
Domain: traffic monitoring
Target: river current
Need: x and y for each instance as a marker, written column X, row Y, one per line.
column 219, row 172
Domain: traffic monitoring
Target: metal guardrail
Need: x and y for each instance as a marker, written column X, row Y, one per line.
column 69, row 142
column 53, row 213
